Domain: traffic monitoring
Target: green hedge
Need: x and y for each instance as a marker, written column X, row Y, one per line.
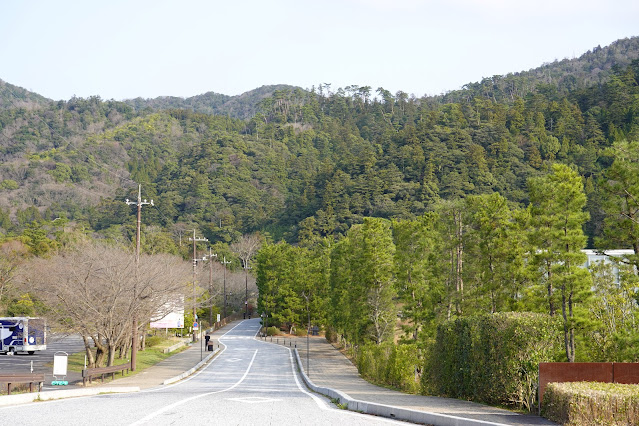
column 390, row 365
column 492, row 358
column 583, row 403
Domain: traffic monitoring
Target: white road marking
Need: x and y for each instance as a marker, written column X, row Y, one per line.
column 254, row 399
column 184, row 401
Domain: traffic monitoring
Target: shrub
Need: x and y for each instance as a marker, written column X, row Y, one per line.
column 9, row 184
column 330, row 335
column 273, row 331
column 581, row 403
column 389, row 364
column 153, row 340
column 492, row 358
column 300, row 332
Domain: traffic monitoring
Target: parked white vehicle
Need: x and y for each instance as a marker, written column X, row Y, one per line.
column 22, row 334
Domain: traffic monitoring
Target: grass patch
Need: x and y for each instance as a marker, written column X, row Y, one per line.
column 145, row 359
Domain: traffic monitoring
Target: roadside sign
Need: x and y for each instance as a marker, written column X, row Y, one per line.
column 196, row 326
column 60, row 368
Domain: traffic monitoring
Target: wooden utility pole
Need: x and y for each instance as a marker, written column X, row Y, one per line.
column 210, row 257
column 195, row 259
column 134, row 328
column 224, row 263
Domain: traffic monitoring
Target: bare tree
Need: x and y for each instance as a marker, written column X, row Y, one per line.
column 246, row 247
column 89, row 289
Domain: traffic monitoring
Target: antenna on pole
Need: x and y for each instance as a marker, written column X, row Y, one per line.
column 134, row 328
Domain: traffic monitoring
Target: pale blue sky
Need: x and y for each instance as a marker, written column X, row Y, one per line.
column 121, row 49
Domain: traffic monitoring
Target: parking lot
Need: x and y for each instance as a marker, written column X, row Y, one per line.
column 42, row 360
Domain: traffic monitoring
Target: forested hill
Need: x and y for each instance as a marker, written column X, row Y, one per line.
column 560, row 77
column 243, row 106
column 307, row 163
column 15, row 97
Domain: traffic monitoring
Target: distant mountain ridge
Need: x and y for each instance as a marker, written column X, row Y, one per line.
column 242, row 106
column 13, row 96
column 563, row 76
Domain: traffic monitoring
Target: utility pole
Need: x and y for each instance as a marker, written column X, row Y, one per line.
column 246, row 268
column 134, row 328
column 210, row 257
column 195, row 240
column 224, row 263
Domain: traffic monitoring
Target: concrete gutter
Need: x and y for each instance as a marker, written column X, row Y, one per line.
column 24, row 398
column 397, row 413
column 192, row 370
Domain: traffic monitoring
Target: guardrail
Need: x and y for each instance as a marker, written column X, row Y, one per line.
column 89, row 373
column 31, row 378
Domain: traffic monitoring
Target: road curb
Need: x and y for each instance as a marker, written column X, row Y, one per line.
column 25, row 398
column 388, row 411
column 191, row 371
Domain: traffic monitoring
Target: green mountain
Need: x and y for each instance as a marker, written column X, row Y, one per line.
column 295, row 162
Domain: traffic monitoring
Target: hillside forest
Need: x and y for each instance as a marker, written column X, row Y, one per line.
column 382, row 215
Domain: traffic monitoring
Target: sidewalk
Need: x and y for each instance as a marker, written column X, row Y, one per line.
column 331, row 369
column 169, row 368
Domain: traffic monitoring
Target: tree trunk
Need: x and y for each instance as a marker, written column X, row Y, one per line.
column 568, row 342
column 100, row 350
column 112, row 350
column 87, row 348
column 551, row 305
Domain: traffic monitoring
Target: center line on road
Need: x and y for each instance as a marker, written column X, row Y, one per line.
column 184, row 401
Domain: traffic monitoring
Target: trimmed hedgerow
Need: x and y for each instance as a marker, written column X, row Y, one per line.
column 589, row 403
column 492, row 358
column 390, row 365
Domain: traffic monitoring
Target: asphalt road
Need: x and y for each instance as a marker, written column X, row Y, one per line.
column 249, row 382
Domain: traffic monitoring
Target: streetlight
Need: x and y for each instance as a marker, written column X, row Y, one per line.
column 224, row 263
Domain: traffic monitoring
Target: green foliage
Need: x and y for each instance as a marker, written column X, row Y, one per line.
column 153, row 340
column 590, row 403
column 9, row 184
column 492, row 358
column 390, row 365
column 614, row 312
column 557, row 217
column 24, row 306
column 273, row 331
column 61, row 173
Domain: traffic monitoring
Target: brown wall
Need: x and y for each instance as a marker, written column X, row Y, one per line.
column 606, row 372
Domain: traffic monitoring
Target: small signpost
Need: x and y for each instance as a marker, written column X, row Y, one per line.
column 60, row 368
column 196, row 326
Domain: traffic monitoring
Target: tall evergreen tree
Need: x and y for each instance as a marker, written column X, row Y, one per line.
column 558, row 216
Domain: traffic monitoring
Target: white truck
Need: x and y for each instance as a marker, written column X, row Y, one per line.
column 22, row 334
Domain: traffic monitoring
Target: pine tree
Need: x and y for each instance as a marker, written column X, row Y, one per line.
column 558, row 216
